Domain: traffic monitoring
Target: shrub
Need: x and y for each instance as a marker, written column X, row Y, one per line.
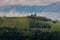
column 39, row 25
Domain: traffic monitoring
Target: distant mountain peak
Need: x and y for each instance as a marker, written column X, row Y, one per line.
column 53, row 7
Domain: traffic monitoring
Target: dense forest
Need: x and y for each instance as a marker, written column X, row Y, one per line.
column 17, row 34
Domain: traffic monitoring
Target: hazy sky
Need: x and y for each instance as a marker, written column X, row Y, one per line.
column 26, row 2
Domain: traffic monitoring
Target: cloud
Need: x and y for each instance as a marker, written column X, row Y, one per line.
column 26, row 2
column 52, row 16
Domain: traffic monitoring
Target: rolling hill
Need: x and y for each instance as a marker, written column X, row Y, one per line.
column 23, row 23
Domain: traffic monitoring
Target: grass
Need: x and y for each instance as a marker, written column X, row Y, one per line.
column 23, row 22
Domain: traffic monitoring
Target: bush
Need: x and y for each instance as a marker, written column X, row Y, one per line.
column 39, row 25
column 54, row 21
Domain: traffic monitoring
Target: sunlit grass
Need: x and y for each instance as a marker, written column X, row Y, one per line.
column 23, row 23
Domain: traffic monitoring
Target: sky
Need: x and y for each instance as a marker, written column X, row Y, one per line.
column 26, row 2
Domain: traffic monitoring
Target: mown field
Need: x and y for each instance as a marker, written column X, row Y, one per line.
column 23, row 23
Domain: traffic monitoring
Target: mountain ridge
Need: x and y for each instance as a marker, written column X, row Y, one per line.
column 53, row 7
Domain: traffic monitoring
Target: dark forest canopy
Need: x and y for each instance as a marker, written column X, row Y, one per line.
column 16, row 34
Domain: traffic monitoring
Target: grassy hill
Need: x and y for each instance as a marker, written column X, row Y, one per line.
column 23, row 23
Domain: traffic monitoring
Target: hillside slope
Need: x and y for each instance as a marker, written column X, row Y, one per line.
column 23, row 23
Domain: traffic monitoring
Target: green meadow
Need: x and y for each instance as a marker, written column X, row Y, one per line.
column 23, row 23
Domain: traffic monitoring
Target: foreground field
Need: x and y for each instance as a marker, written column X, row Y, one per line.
column 23, row 23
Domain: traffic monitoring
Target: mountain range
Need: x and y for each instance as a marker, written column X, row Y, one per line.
column 53, row 7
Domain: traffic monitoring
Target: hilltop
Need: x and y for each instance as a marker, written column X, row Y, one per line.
column 25, row 22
